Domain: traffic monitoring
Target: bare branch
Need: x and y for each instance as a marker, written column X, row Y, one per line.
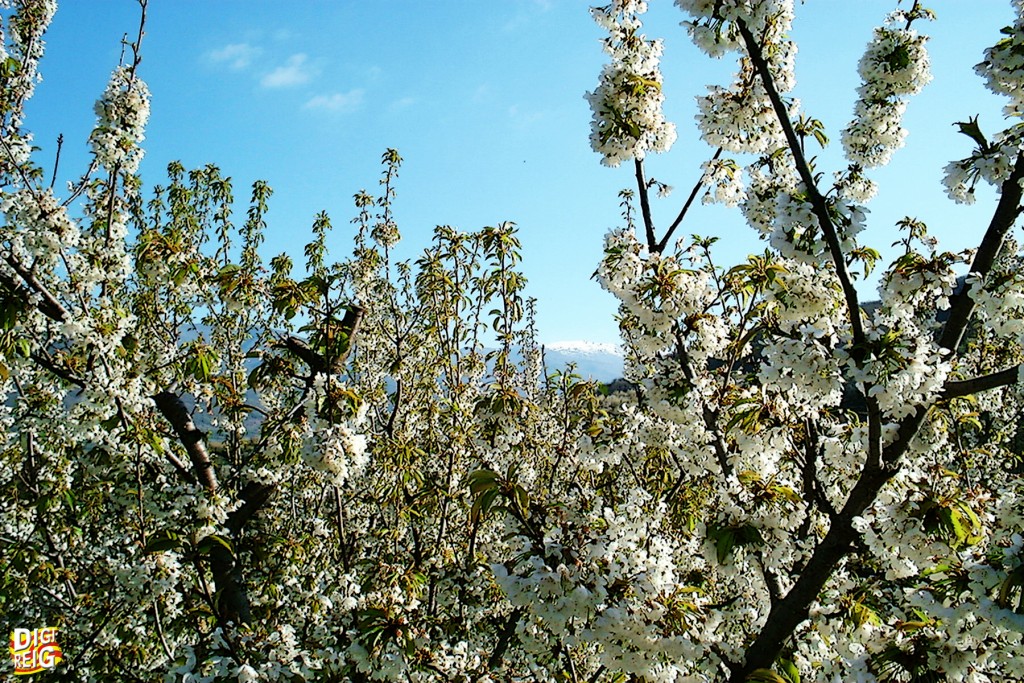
column 254, row 496
column 645, row 206
column 232, row 596
column 318, row 364
column 686, row 207
column 975, row 385
column 56, row 160
column 174, row 411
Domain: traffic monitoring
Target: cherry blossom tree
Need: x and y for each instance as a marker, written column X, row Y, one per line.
column 221, row 468
column 874, row 538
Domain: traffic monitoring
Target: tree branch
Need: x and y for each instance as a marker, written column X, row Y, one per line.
column 790, row 611
column 174, row 411
column 710, row 416
column 818, row 204
column 1007, row 210
column 645, row 206
column 504, row 637
column 44, row 361
column 828, row 229
column 232, row 598
column 254, row 496
column 975, row 385
column 49, row 305
column 881, row 464
column 317, row 362
column 686, row 207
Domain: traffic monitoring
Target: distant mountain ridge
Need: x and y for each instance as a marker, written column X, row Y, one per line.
column 593, row 360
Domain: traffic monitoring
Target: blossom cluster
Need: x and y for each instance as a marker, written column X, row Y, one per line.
column 654, row 290
column 895, row 65
column 992, row 163
column 724, row 180
column 23, row 44
column 121, row 114
column 44, row 228
column 1002, row 66
column 741, row 118
column 628, row 120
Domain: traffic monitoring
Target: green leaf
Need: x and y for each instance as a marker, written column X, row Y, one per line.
column 201, row 362
column 208, row 543
column 725, row 539
column 765, row 676
column 861, row 614
column 522, row 500
column 899, row 58
column 161, row 541
column 483, row 504
column 111, row 423
column 22, row 346
column 971, row 129
column 1011, row 591
column 481, row 480
column 729, row 537
column 789, row 670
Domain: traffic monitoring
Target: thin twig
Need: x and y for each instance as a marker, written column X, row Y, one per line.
column 56, row 160
column 686, row 207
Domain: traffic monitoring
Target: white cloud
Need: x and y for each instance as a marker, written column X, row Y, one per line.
column 235, row 55
column 524, row 118
column 339, row 102
column 482, row 93
column 522, row 18
column 294, row 72
column 402, row 103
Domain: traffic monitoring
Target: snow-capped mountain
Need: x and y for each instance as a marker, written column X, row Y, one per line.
column 593, row 360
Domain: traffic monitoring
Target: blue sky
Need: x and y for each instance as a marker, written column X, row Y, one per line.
column 484, row 100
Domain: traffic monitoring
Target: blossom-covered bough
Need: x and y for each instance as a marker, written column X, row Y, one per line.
column 883, row 542
column 216, row 469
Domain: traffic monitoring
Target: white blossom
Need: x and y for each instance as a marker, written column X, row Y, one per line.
column 628, row 121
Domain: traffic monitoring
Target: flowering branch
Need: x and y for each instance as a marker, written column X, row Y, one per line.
column 794, row 608
column 1006, row 212
column 132, row 72
column 44, row 360
column 817, row 200
column 227, row 571
column 48, row 305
